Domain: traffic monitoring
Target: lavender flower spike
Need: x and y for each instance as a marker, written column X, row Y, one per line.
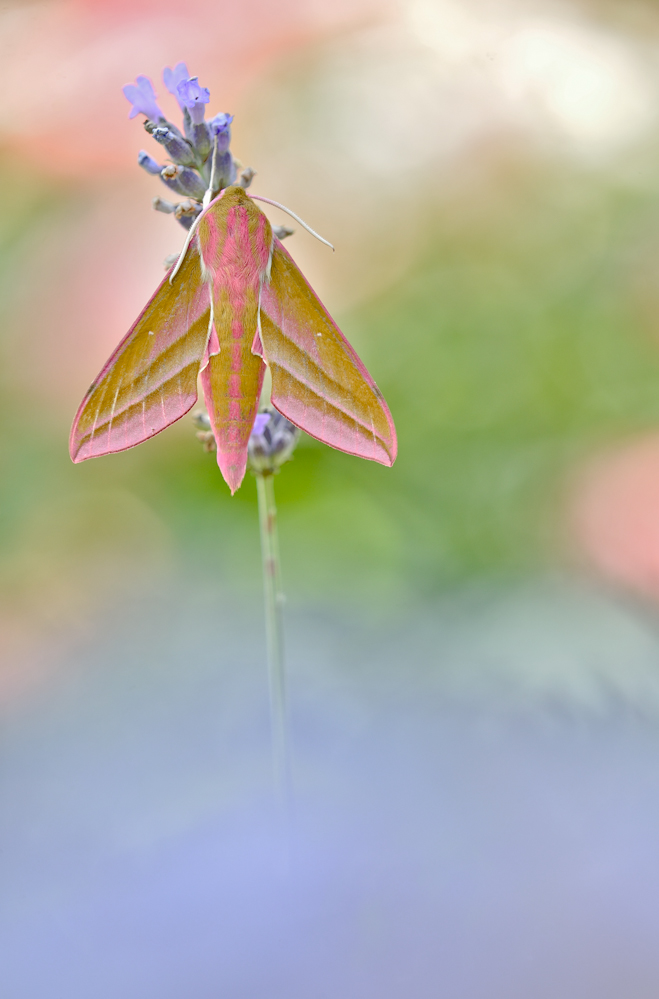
column 172, row 78
column 143, row 98
column 193, row 97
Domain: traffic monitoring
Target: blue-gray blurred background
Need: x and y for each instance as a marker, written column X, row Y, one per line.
column 472, row 636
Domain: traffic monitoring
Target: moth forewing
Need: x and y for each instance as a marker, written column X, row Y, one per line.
column 150, row 379
column 318, row 381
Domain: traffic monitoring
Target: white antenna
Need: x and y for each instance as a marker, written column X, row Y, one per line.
column 211, row 184
column 208, row 195
column 188, row 240
column 257, row 197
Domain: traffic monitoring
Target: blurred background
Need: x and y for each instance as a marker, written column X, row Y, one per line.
column 473, row 637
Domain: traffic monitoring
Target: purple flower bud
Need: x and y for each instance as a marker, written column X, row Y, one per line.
column 193, row 97
column 201, row 420
column 184, row 181
column 179, row 150
column 246, row 177
column 172, row 78
column 220, row 127
column 148, row 163
column 223, row 172
column 198, row 136
column 160, row 205
column 143, row 98
column 271, row 442
column 223, row 166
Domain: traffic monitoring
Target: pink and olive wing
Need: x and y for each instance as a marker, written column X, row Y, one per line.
column 151, row 378
column 318, row 381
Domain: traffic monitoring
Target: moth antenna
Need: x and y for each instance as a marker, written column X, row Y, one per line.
column 257, row 197
column 208, row 196
column 188, row 240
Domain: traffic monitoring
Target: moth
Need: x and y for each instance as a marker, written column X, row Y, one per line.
column 234, row 303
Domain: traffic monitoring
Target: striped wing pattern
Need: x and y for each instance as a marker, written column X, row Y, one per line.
column 318, row 381
column 151, row 378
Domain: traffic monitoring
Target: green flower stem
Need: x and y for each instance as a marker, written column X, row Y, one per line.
column 274, row 599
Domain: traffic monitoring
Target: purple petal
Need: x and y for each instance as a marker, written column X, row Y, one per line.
column 193, row 97
column 143, row 98
column 172, row 78
column 191, row 93
column 220, row 123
